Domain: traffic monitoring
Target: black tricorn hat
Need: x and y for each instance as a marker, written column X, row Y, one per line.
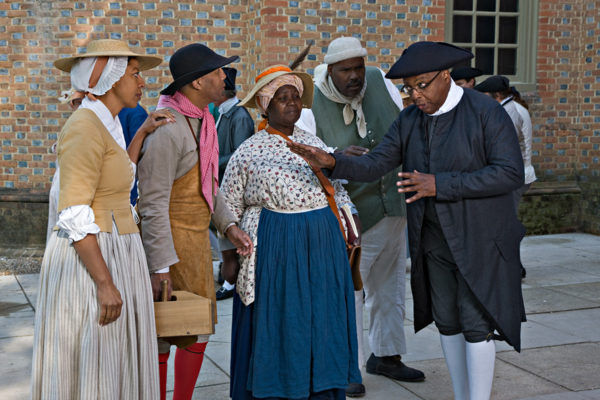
column 422, row 57
column 192, row 62
column 496, row 83
column 465, row 73
column 230, row 74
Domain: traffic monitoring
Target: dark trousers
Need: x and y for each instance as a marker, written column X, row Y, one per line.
column 454, row 306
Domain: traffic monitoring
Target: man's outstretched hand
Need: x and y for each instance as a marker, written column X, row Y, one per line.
column 316, row 157
column 423, row 184
column 354, row 150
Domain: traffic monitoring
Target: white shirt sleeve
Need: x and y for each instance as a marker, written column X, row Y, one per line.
column 528, row 139
column 307, row 121
column 394, row 91
column 78, row 222
column 134, row 166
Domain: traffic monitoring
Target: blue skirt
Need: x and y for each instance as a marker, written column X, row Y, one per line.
column 298, row 339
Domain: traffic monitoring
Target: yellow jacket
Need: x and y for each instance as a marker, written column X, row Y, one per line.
column 95, row 171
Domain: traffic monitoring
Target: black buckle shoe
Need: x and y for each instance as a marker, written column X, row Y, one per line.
column 393, row 367
column 223, row 293
column 355, row 390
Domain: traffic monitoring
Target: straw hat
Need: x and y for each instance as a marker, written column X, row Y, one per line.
column 108, row 48
column 269, row 75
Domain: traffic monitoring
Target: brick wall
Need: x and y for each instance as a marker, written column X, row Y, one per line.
column 262, row 32
column 34, row 33
column 566, row 113
column 566, row 85
column 588, row 166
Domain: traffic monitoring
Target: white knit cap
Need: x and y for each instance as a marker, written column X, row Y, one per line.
column 82, row 70
column 344, row 48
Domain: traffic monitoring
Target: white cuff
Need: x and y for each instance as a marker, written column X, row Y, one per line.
column 228, row 226
column 77, row 222
column 134, row 167
column 162, row 271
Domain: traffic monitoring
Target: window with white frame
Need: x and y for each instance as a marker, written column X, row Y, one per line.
column 502, row 35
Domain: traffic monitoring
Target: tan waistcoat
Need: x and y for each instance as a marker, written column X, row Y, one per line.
column 95, row 171
column 190, row 216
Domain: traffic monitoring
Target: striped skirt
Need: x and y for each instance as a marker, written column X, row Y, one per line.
column 73, row 356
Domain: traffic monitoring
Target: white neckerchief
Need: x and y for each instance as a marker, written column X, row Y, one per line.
column 325, row 84
column 454, row 95
column 226, row 106
column 113, row 125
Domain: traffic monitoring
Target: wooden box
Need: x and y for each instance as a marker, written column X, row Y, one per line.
column 188, row 315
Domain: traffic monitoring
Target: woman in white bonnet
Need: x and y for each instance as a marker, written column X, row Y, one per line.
column 94, row 326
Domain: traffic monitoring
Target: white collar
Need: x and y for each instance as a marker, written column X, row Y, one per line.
column 454, row 95
column 228, row 104
column 113, row 125
column 506, row 100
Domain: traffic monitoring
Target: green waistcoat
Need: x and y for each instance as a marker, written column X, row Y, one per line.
column 378, row 199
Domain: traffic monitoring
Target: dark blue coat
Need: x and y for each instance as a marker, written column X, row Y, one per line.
column 131, row 119
column 475, row 156
column 235, row 126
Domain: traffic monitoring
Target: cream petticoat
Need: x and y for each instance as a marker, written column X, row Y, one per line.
column 73, row 356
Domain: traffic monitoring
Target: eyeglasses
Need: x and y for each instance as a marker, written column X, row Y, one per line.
column 420, row 86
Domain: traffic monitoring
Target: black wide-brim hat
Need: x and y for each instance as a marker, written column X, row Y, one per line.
column 496, row 83
column 465, row 73
column 192, row 62
column 422, row 57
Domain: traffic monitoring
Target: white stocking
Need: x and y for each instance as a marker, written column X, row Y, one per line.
column 480, row 366
column 456, row 360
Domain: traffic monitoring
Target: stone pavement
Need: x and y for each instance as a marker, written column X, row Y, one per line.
column 560, row 359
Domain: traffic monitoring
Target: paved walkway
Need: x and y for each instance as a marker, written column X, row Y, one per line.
column 560, row 359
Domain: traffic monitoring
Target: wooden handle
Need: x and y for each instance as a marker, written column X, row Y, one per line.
column 164, row 290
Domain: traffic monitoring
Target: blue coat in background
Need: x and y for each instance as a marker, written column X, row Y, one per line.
column 235, row 126
column 131, row 119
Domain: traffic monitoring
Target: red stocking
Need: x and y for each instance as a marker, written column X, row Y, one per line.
column 162, row 374
column 187, row 367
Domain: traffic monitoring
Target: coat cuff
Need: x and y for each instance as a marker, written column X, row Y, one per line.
column 448, row 186
column 160, row 265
